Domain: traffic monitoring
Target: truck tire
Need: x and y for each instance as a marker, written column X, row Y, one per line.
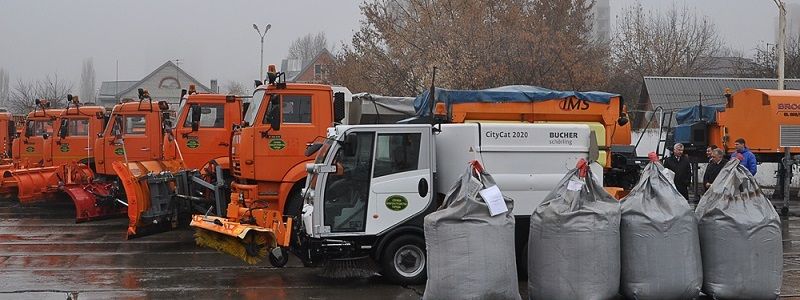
column 404, row 260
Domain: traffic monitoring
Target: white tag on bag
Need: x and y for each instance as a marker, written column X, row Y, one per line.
column 574, row 185
column 494, row 199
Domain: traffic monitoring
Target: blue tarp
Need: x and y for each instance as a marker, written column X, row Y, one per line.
column 510, row 93
column 692, row 114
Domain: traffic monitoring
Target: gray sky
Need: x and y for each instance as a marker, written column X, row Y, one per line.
column 215, row 39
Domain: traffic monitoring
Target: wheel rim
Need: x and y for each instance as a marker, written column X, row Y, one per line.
column 409, row 260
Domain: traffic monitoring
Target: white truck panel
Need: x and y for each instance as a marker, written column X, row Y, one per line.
column 526, row 160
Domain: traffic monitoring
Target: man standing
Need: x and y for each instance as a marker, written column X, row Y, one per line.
column 748, row 158
column 709, row 150
column 716, row 164
column 679, row 164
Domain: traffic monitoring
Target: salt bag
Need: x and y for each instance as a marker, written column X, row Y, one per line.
column 740, row 238
column 470, row 252
column 660, row 241
column 573, row 246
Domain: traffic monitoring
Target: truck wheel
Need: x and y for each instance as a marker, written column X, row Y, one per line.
column 404, row 260
column 279, row 263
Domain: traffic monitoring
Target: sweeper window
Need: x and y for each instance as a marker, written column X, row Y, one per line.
column 78, row 127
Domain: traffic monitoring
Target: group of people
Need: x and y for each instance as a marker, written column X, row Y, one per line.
column 679, row 163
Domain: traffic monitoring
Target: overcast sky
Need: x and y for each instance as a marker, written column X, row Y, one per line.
column 215, row 39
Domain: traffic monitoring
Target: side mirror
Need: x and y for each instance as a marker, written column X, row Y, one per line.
column 273, row 112
column 313, row 148
column 28, row 131
column 338, row 107
column 622, row 120
column 195, row 120
column 350, row 145
column 64, row 129
column 45, row 135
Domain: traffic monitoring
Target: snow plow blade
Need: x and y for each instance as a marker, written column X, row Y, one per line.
column 93, row 201
column 149, row 193
column 35, row 184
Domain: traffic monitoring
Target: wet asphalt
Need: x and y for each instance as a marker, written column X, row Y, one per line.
column 45, row 255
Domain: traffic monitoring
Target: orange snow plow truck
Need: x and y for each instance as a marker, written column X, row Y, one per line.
column 65, row 152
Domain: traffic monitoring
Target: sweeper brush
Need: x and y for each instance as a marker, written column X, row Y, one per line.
column 252, row 249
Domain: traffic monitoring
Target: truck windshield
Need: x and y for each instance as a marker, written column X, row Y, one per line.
column 255, row 104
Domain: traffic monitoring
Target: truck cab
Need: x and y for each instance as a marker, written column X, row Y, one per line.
column 267, row 152
column 74, row 141
column 133, row 134
column 29, row 148
column 203, row 127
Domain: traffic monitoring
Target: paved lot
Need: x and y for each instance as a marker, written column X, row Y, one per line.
column 45, row 255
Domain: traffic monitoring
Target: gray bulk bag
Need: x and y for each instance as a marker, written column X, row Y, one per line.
column 660, row 242
column 740, row 238
column 470, row 253
column 573, row 246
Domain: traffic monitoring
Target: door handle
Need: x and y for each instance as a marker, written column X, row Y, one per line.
column 422, row 187
column 144, row 149
column 224, row 144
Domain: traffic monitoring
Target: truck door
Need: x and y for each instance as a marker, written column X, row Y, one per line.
column 198, row 148
column 32, row 148
column 136, row 143
column 282, row 149
column 384, row 181
column 76, row 145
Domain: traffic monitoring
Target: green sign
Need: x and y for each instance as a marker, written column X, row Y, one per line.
column 396, row 203
column 277, row 144
column 119, row 151
column 64, row 148
column 29, row 149
column 192, row 144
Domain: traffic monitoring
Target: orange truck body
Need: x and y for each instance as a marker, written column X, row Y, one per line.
column 28, row 150
column 71, row 143
column 759, row 116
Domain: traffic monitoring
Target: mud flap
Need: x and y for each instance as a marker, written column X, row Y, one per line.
column 87, row 206
column 142, row 180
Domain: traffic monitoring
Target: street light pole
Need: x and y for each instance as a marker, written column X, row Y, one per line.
column 261, row 66
column 781, row 40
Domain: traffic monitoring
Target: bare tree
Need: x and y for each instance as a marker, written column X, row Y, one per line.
column 307, row 47
column 765, row 62
column 4, row 92
column 51, row 88
column 234, row 88
column 473, row 44
column 676, row 43
column 87, row 91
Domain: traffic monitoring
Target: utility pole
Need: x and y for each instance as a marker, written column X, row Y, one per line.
column 261, row 66
column 781, row 40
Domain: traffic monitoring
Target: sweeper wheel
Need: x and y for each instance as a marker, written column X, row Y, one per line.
column 279, row 262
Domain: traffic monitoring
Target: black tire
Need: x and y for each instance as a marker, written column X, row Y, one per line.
column 294, row 202
column 279, row 263
column 404, row 260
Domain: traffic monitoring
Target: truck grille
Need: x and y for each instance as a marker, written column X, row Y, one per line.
column 790, row 135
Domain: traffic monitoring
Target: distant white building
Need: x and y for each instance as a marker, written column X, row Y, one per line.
column 601, row 20
column 164, row 83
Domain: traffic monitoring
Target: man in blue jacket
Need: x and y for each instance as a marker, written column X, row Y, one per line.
column 748, row 158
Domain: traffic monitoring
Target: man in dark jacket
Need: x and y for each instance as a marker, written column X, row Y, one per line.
column 716, row 164
column 679, row 164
